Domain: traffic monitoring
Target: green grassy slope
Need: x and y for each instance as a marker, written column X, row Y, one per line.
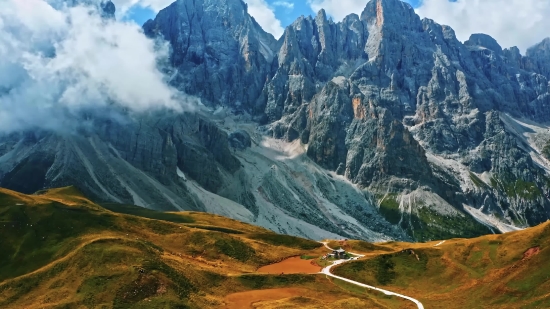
column 60, row 250
column 496, row 271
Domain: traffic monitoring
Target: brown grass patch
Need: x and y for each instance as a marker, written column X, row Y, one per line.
column 244, row 300
column 293, row 265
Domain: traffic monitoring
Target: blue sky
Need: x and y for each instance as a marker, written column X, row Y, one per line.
column 139, row 14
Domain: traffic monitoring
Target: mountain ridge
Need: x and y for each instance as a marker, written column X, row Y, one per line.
column 388, row 127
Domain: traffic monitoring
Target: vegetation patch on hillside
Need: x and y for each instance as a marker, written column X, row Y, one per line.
column 546, row 150
column 426, row 224
column 517, row 188
column 235, row 248
column 47, row 231
column 148, row 213
column 258, row 282
column 389, row 208
column 477, row 181
column 286, row 240
column 387, row 269
column 215, row 228
column 359, row 246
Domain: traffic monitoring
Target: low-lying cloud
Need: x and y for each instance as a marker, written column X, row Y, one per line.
column 55, row 63
column 265, row 16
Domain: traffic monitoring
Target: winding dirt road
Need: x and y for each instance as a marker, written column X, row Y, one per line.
column 327, row 272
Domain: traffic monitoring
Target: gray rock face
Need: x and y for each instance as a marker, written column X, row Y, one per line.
column 538, row 58
column 240, row 139
column 132, row 162
column 219, row 52
column 108, row 9
column 484, row 41
column 311, row 52
column 437, row 134
column 415, row 88
column 373, row 94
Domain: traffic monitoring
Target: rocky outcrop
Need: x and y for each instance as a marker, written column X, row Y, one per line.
column 412, row 88
column 240, row 139
column 538, row 58
column 219, row 52
column 433, row 131
column 133, row 162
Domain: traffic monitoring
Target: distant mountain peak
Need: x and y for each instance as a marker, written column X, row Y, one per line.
column 391, row 12
column 485, row 41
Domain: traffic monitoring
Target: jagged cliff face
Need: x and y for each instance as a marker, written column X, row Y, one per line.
column 219, row 52
column 399, row 105
column 387, row 125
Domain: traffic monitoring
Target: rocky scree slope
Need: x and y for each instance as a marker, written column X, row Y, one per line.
column 381, row 126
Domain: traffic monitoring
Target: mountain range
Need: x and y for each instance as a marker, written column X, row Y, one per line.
column 382, row 126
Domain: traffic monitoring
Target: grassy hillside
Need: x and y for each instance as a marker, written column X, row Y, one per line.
column 61, row 250
column 496, row 271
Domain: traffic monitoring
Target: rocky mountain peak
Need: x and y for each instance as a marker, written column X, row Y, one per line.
column 393, row 13
column 322, row 15
column 484, row 41
column 540, row 49
column 216, row 43
column 108, row 8
column 538, row 58
column 513, row 57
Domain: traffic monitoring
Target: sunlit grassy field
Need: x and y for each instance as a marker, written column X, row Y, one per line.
column 495, row 271
column 61, row 250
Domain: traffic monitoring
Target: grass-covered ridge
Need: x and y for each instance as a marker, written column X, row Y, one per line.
column 495, row 271
column 285, row 240
column 61, row 250
column 147, row 213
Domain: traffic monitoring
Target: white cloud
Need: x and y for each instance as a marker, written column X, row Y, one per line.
column 57, row 63
column 284, row 4
column 339, row 9
column 265, row 16
column 521, row 23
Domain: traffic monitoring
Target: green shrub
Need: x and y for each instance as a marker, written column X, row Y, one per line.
column 235, row 249
column 389, row 208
